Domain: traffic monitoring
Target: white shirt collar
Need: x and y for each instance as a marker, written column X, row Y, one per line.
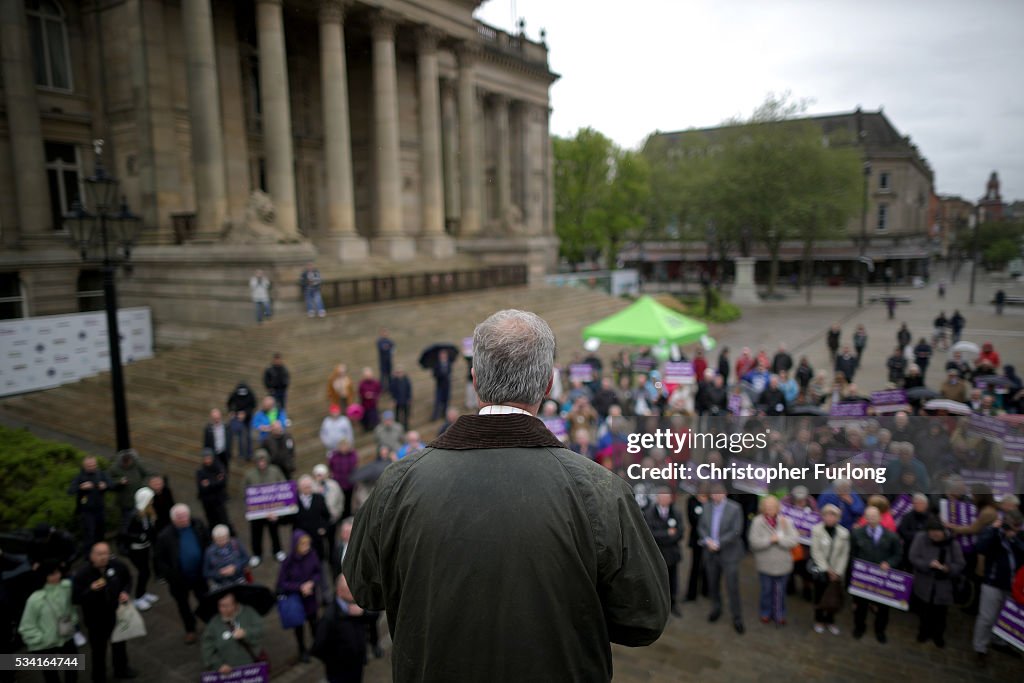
column 498, row 409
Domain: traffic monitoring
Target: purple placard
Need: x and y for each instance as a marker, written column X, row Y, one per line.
column 987, row 426
column 277, row 498
column 901, row 506
column 803, row 519
column 961, row 513
column 644, row 365
column 850, row 409
column 735, row 404
column 556, row 426
column 758, row 486
column 467, row 346
column 680, row 372
column 1010, row 624
column 886, row 586
column 581, row 372
column 250, row 673
column 1001, row 483
column 1013, row 448
column 890, row 401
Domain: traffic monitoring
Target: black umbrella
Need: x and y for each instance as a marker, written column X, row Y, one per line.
column 921, row 394
column 369, row 473
column 260, row 598
column 428, row 358
column 806, row 409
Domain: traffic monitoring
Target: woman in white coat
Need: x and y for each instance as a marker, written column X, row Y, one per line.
column 830, row 554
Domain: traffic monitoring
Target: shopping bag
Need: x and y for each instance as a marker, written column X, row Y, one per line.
column 291, row 610
column 129, row 624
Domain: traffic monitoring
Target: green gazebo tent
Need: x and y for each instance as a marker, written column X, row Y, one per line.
column 646, row 323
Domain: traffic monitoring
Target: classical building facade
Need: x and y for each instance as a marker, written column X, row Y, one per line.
column 900, row 234
column 263, row 133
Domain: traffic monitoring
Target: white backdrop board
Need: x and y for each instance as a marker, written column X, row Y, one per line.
column 47, row 351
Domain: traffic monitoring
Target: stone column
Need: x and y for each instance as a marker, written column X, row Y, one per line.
column 32, row 191
column 276, row 116
column 389, row 238
column 469, row 142
column 744, row 291
column 233, row 118
column 343, row 240
column 507, row 218
column 450, row 150
column 433, row 239
column 204, row 110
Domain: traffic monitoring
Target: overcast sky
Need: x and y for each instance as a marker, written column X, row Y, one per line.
column 948, row 73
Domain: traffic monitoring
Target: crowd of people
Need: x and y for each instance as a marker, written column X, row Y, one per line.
column 709, row 527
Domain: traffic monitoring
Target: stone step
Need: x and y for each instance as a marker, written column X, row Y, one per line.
column 169, row 396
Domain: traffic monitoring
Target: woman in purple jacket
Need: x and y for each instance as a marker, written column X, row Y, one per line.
column 300, row 574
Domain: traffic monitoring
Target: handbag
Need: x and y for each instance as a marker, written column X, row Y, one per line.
column 817, row 573
column 291, row 610
column 129, row 624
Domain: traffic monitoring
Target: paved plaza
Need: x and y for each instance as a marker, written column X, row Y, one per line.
column 691, row 648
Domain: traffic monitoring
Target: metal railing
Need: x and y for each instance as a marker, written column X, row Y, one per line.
column 366, row 290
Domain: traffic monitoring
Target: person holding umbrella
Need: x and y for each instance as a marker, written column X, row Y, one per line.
column 234, row 636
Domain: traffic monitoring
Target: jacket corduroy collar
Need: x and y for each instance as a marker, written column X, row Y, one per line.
column 496, row 431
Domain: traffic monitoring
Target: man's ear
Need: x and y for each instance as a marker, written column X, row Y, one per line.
column 551, row 382
column 472, row 372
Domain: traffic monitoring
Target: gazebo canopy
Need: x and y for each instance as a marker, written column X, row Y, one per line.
column 646, row 322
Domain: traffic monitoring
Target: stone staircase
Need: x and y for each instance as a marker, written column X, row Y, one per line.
column 169, row 397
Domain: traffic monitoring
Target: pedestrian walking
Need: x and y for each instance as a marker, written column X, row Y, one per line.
column 259, row 290
column 310, row 281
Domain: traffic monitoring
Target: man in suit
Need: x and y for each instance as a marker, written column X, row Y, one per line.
column 695, row 507
column 666, row 526
column 313, row 516
column 217, row 437
column 425, row 546
column 721, row 531
column 341, row 637
column 873, row 543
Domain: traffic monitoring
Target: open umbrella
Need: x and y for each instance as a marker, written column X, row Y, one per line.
column 921, row 394
column 428, row 357
column 969, row 350
column 370, row 472
column 260, row 598
column 950, row 406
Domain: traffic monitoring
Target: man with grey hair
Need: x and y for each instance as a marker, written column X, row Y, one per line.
column 495, row 504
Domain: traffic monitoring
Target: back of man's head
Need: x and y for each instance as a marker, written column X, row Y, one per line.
column 513, row 358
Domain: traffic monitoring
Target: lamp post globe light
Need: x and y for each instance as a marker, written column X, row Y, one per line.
column 104, row 232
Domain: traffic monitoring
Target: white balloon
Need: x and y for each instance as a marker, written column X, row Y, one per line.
column 707, row 342
column 592, row 344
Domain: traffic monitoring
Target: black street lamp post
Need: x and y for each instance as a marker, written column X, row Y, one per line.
column 106, row 236
column 863, row 238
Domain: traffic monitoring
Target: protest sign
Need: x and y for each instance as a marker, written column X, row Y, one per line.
column 276, row 498
column 1010, row 624
column 803, row 519
column 885, row 586
column 250, row 673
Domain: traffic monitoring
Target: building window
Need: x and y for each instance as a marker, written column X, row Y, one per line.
column 48, row 37
column 883, row 217
column 12, row 297
column 90, row 291
column 63, row 170
column 883, row 181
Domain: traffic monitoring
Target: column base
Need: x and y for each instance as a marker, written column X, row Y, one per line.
column 744, row 291
column 436, row 246
column 394, row 248
column 345, row 248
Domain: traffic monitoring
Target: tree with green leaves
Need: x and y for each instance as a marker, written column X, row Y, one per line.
column 601, row 194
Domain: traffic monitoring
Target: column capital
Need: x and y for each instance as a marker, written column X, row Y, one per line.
column 468, row 53
column 332, row 11
column 383, row 24
column 427, row 38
